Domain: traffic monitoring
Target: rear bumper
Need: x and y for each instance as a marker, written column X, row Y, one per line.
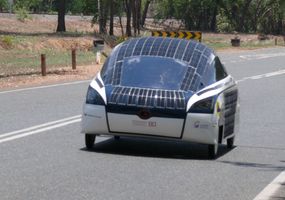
column 200, row 128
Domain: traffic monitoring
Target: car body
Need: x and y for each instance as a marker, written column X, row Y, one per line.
column 166, row 88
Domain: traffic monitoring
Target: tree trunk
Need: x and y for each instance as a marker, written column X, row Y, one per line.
column 138, row 15
column 129, row 15
column 121, row 25
column 134, row 11
column 146, row 6
column 101, row 17
column 111, row 31
column 214, row 19
column 61, row 16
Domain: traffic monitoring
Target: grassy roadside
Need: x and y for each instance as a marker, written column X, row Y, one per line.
column 20, row 54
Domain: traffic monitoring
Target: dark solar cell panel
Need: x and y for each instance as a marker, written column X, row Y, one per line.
column 121, row 98
column 164, row 46
column 121, row 53
column 131, row 99
column 172, row 48
column 195, row 83
column 187, row 79
column 147, row 46
column 151, row 98
column 195, row 59
column 202, row 65
column 130, row 48
column 180, row 101
column 138, row 48
column 180, row 49
column 189, row 52
column 200, row 47
column 207, row 52
column 142, row 97
column 117, row 73
column 155, row 46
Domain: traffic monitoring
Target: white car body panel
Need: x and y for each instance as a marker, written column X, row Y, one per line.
column 201, row 128
column 156, row 126
column 94, row 119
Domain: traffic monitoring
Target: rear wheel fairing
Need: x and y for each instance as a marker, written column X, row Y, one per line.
column 201, row 128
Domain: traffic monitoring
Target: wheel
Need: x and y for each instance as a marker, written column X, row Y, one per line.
column 230, row 142
column 116, row 137
column 213, row 150
column 89, row 140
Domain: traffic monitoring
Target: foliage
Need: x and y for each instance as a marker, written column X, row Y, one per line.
column 7, row 41
column 77, row 6
column 4, row 5
column 265, row 16
column 226, row 15
column 22, row 14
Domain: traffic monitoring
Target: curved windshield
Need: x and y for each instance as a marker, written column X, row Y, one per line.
column 153, row 72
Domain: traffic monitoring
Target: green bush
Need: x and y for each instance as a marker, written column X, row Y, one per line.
column 22, row 13
column 224, row 25
column 7, row 41
column 4, row 5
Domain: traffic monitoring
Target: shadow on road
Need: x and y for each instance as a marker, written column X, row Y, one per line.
column 255, row 165
column 155, row 148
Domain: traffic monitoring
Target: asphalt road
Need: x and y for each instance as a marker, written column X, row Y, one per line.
column 49, row 160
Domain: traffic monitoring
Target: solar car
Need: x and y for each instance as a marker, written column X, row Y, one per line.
column 166, row 88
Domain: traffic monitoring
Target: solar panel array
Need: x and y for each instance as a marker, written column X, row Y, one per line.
column 230, row 110
column 148, row 98
column 193, row 53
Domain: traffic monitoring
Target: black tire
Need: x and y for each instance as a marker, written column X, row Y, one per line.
column 89, row 141
column 213, row 151
column 116, row 137
column 230, row 142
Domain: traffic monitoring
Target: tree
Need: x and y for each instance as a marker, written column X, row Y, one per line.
column 111, row 30
column 146, row 6
column 128, row 9
column 61, row 16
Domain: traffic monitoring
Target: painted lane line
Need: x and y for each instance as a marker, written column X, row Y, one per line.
column 270, row 74
column 261, row 56
column 39, row 130
column 39, row 126
column 273, row 187
column 46, row 86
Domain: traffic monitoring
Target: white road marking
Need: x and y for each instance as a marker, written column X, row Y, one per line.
column 270, row 74
column 45, row 86
column 39, row 126
column 270, row 189
column 24, row 134
column 261, row 56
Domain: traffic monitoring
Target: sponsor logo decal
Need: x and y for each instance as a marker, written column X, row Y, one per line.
column 152, row 124
column 197, row 124
column 144, row 123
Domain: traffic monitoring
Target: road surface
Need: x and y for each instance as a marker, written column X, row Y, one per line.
column 43, row 155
